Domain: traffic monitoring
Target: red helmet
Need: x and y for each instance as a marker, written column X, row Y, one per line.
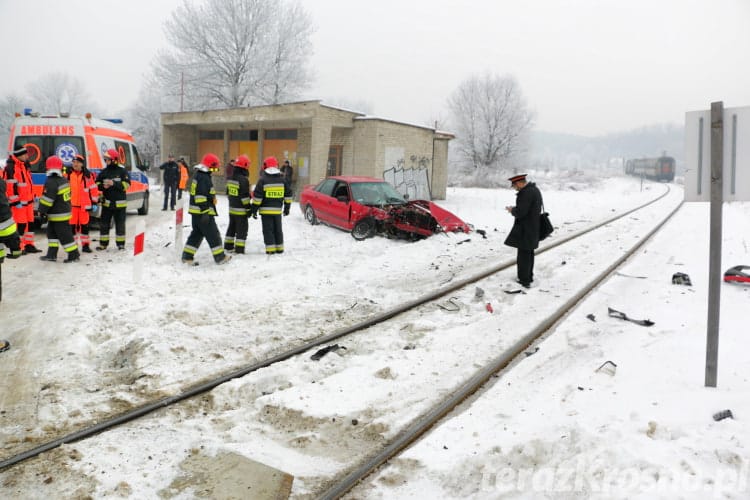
column 54, row 163
column 270, row 162
column 111, row 154
column 211, row 161
column 242, row 161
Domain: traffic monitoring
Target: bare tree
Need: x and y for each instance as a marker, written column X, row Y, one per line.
column 491, row 120
column 9, row 106
column 144, row 119
column 234, row 53
column 58, row 92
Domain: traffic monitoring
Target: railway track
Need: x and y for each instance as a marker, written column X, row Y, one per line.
column 345, row 480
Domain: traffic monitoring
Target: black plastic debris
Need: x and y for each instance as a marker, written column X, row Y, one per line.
column 608, row 367
column 322, row 352
column 591, row 317
column 4, row 345
column 514, row 291
column 464, row 241
column 681, row 279
column 621, row 315
column 482, row 232
column 534, row 351
column 723, row 414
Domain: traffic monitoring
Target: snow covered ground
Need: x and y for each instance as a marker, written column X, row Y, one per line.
column 106, row 334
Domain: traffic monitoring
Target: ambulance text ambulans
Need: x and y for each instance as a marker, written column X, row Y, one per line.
column 67, row 136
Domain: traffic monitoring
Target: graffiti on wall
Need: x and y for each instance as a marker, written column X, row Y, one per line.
column 409, row 178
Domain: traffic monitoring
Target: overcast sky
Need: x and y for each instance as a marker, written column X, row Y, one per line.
column 585, row 66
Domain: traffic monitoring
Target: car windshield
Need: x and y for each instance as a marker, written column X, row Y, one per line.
column 376, row 193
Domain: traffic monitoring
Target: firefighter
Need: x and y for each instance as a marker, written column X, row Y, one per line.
column 21, row 197
column 203, row 210
column 84, row 196
column 184, row 177
column 271, row 197
column 113, row 182
column 9, row 238
column 238, row 193
column 55, row 204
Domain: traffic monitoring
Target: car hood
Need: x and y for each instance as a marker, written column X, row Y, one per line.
column 448, row 221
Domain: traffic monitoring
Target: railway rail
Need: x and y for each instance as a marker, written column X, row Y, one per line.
column 420, row 425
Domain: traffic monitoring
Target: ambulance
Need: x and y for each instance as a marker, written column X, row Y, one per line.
column 66, row 136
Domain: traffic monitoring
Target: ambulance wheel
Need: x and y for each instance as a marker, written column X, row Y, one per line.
column 144, row 208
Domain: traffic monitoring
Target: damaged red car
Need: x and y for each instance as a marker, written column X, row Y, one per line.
column 367, row 206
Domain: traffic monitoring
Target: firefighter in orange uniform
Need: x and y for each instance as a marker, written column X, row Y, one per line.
column 21, row 197
column 84, row 196
column 184, row 177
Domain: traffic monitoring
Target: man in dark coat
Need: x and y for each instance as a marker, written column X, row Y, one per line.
column 524, row 235
column 171, row 177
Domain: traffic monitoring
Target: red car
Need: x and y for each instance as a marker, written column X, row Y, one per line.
column 367, row 206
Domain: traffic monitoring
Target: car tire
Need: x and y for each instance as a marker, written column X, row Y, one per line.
column 363, row 229
column 310, row 215
column 144, row 208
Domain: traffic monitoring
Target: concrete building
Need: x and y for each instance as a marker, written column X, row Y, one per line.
column 318, row 140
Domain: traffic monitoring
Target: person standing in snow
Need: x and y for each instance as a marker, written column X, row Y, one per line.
column 184, row 177
column 8, row 230
column 203, row 210
column 21, row 196
column 55, row 204
column 271, row 197
column 84, row 195
column 238, row 193
column 113, row 182
column 170, row 178
column 287, row 171
column 524, row 235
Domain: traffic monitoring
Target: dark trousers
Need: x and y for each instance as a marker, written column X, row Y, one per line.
column 236, row 233
column 60, row 234
column 170, row 191
column 273, row 236
column 203, row 227
column 525, row 266
column 118, row 214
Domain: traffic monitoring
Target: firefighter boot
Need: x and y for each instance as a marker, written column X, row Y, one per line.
column 51, row 255
column 86, row 249
column 73, row 256
column 30, row 249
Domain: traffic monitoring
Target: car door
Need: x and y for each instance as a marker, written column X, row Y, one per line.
column 338, row 206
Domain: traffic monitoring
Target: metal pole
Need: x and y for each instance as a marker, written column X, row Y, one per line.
column 714, row 254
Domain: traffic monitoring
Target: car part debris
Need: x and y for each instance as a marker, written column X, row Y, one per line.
column 723, row 414
column 681, row 279
column 488, row 306
column 534, row 351
column 449, row 305
column 608, row 367
column 621, row 315
column 4, row 345
column 514, row 291
column 482, row 232
column 591, row 317
column 737, row 274
column 322, row 352
column 478, row 293
column 464, row 241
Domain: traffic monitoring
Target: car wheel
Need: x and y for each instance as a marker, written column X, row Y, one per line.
column 310, row 215
column 363, row 229
column 144, row 208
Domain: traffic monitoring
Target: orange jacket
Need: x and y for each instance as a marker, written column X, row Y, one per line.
column 184, row 176
column 83, row 189
column 19, row 182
